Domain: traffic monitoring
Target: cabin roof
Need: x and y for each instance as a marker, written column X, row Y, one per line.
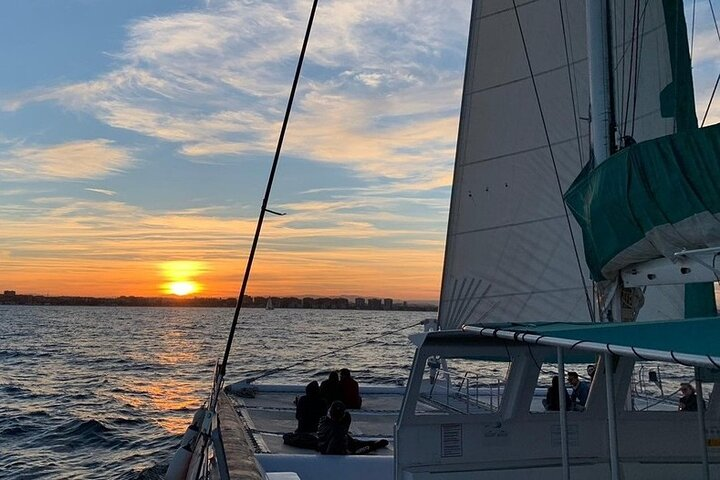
column 687, row 341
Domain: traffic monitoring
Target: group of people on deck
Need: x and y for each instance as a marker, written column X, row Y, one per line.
column 324, row 423
column 580, row 389
column 574, row 401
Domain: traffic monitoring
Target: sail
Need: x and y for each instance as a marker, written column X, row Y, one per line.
column 650, row 200
column 509, row 252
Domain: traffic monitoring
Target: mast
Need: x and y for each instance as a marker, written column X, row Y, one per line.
column 602, row 121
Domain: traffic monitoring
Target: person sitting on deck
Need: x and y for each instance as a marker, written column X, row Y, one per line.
column 310, row 409
column 333, row 436
column 330, row 389
column 350, row 390
column 552, row 398
column 688, row 401
column 580, row 390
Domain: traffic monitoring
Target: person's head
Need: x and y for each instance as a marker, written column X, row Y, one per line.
column 312, row 388
column 336, row 410
column 344, row 373
column 555, row 381
column 333, row 377
column 686, row 389
column 591, row 370
column 573, row 378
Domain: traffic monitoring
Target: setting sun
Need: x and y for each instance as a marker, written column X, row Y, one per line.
column 183, row 288
column 180, row 277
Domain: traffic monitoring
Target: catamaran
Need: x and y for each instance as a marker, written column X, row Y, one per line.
column 584, row 227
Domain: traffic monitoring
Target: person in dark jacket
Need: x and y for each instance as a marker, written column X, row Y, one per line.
column 688, row 401
column 580, row 391
column 552, row 398
column 330, row 389
column 350, row 390
column 334, row 437
column 310, row 408
column 333, row 430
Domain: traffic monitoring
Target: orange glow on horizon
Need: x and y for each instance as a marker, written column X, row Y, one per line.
column 407, row 274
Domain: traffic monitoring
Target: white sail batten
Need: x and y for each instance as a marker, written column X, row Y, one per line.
column 509, row 252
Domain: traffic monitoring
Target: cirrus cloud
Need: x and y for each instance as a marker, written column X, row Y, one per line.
column 82, row 159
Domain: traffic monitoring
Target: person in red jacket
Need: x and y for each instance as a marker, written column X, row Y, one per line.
column 350, row 390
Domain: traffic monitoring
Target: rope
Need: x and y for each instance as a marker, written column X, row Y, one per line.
column 268, row 373
column 554, row 163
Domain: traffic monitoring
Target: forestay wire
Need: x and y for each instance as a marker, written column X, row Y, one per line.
column 271, row 177
column 273, row 371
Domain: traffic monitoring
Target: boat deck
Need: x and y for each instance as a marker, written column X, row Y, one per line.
column 271, row 413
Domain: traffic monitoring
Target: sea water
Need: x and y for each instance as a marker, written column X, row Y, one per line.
column 97, row 392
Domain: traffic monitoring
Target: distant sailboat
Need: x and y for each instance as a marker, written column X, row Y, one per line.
column 269, row 304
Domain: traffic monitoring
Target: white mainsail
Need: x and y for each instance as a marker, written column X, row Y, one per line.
column 510, row 255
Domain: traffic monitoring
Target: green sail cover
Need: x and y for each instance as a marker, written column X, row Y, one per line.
column 649, row 200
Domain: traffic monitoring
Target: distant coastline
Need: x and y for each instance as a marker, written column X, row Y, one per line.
column 10, row 297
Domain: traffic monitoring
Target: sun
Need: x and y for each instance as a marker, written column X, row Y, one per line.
column 182, row 288
column 181, row 277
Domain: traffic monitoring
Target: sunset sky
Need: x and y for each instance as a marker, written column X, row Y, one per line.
column 136, row 137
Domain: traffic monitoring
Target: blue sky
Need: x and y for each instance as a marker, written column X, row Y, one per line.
column 139, row 132
column 142, row 132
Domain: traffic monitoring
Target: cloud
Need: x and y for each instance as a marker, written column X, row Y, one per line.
column 109, row 193
column 84, row 159
column 215, row 82
column 112, row 248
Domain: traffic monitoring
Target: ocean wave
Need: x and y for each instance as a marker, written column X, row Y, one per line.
column 10, row 389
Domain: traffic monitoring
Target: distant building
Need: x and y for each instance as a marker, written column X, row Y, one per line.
column 9, row 293
column 388, row 303
column 374, row 304
column 360, row 303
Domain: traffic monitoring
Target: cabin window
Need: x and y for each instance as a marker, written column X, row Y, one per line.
column 461, row 386
column 578, row 382
column 657, row 386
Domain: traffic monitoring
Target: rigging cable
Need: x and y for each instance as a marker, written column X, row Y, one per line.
column 268, row 188
column 692, row 31
column 554, row 163
column 570, row 81
column 634, row 41
column 273, row 371
column 712, row 95
column 640, row 40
